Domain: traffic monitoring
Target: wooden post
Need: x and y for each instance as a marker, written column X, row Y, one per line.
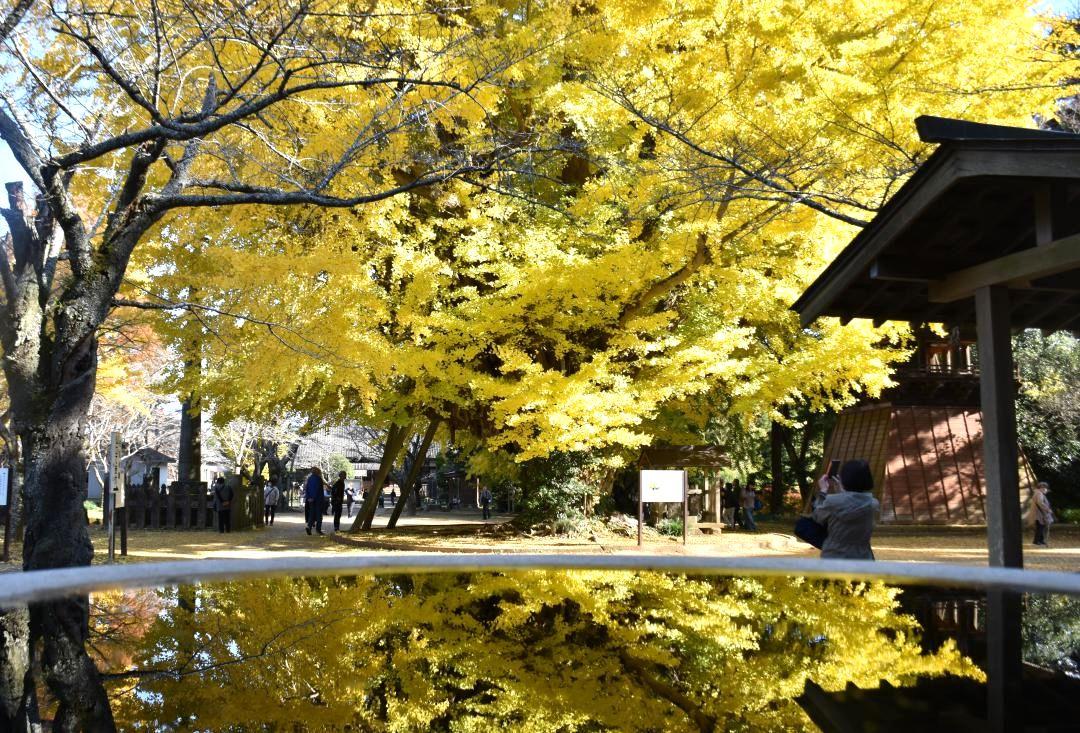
column 110, row 516
column 685, row 505
column 1001, row 461
column 640, row 508
column 1004, row 673
column 121, row 517
column 7, row 474
column 201, row 521
column 112, row 481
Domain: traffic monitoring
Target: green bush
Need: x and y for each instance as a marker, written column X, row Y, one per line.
column 569, row 525
column 1072, row 516
column 554, row 489
column 670, row 526
column 1052, row 631
column 339, row 463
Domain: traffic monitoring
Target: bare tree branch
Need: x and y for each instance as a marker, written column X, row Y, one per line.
column 7, row 25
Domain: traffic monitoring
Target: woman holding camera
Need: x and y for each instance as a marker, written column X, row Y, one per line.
column 849, row 515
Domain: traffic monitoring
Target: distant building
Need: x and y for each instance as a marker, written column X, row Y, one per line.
column 147, row 466
column 357, row 446
column 923, row 438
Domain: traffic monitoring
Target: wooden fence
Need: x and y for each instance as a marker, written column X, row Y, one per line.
column 190, row 506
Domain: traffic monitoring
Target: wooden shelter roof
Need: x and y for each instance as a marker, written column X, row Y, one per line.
column 992, row 204
column 683, row 456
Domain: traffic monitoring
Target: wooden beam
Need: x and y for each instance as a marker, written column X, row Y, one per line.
column 684, row 456
column 893, row 270
column 1016, row 270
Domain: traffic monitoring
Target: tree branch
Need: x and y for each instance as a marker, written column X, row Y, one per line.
column 19, row 143
column 705, row 723
column 7, row 25
column 180, row 129
column 246, row 194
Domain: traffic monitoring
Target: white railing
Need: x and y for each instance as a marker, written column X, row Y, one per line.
column 17, row 588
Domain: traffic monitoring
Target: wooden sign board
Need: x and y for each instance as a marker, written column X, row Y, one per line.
column 662, row 487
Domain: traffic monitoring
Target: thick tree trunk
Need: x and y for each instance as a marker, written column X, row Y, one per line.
column 57, row 536
column 189, row 462
column 18, row 700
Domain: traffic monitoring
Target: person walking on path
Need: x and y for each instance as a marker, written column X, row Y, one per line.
column 749, row 500
column 271, row 495
column 223, row 496
column 350, row 497
column 730, row 501
column 485, row 502
column 848, row 515
column 313, row 500
column 337, row 498
column 393, row 497
column 1044, row 517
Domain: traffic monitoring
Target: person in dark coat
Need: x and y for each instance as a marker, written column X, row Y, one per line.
column 350, row 497
column 337, row 499
column 485, row 502
column 731, row 502
column 313, row 500
column 223, row 496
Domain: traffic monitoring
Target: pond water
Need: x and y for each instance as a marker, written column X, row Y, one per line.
column 566, row 650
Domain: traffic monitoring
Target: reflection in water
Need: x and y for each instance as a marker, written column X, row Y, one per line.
column 542, row 651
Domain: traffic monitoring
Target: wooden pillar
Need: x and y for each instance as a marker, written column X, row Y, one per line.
column 1001, row 460
column 1002, row 471
column 685, row 505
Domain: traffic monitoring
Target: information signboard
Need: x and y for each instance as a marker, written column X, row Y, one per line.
column 3, row 485
column 116, row 474
column 662, row 486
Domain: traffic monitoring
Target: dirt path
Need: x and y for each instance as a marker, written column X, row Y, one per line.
column 462, row 531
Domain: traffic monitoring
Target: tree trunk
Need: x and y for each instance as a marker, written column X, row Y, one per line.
column 189, row 462
column 57, row 536
column 797, row 466
column 776, row 463
column 409, row 485
column 18, row 699
column 395, row 439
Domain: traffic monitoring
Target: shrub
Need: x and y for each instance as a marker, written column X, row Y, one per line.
column 670, row 526
column 554, row 488
column 1072, row 516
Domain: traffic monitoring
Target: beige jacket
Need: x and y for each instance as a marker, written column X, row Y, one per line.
column 1040, row 508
